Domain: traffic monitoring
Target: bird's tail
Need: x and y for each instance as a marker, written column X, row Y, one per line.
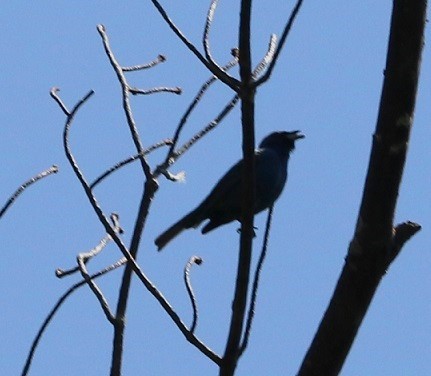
column 193, row 219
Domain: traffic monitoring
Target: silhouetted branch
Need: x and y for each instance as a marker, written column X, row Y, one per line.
column 211, row 125
column 375, row 243
column 247, row 92
column 198, row 261
column 121, row 246
column 127, row 161
column 402, row 233
column 55, row 309
column 255, row 286
column 173, row 155
column 61, row 273
column 155, row 90
column 157, row 61
column 54, row 94
column 280, row 46
column 82, row 260
column 126, row 101
column 205, row 38
column 52, row 170
column 222, row 76
column 269, row 56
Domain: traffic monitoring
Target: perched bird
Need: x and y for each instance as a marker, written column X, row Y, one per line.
column 223, row 204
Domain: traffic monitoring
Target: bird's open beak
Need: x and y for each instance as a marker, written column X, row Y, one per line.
column 296, row 135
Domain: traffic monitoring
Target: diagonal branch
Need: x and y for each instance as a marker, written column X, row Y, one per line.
column 55, row 309
column 265, row 77
column 222, row 76
column 375, row 243
column 122, row 247
column 52, row 170
column 173, row 154
column 127, row 161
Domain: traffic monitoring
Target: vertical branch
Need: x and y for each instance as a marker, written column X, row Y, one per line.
column 232, row 351
column 255, row 287
column 376, row 242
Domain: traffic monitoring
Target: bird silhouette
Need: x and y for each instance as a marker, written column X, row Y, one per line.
column 223, row 204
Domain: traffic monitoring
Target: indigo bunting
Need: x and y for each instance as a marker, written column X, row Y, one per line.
column 223, row 204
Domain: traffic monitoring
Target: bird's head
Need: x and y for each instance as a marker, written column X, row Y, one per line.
column 283, row 140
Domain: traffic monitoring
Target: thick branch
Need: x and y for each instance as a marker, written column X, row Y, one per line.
column 373, row 246
column 232, row 351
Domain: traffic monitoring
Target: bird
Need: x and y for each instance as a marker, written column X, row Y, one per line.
column 223, row 204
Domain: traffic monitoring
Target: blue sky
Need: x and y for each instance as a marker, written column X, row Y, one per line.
column 327, row 84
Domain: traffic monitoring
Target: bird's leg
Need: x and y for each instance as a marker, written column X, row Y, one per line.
column 238, row 230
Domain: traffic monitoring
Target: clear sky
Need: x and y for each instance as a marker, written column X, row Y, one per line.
column 327, row 84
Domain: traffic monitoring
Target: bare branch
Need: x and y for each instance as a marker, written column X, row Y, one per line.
column 55, row 309
column 54, row 94
column 198, row 261
column 283, row 38
column 402, row 234
column 97, row 292
column 375, row 244
column 155, row 90
column 221, row 75
column 121, row 246
column 269, row 56
column 127, row 161
column 52, row 170
column 61, row 273
column 205, row 39
column 126, row 102
column 211, row 125
column 255, row 287
column 173, row 155
column 157, row 61
column 247, row 93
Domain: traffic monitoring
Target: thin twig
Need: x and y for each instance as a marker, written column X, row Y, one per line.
column 211, row 125
column 151, row 64
column 232, row 82
column 155, row 90
column 122, row 247
column 54, row 94
column 127, row 161
column 205, row 38
column 198, row 261
column 82, row 260
column 97, row 292
column 280, row 46
column 269, row 56
column 255, row 287
column 172, row 155
column 126, row 102
column 57, row 306
column 60, row 273
column 52, row 170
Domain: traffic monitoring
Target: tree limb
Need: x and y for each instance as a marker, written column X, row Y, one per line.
column 375, row 243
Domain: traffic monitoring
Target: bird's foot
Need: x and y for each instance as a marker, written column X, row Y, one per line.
column 238, row 230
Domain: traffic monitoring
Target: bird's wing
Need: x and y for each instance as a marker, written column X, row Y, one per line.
column 227, row 191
